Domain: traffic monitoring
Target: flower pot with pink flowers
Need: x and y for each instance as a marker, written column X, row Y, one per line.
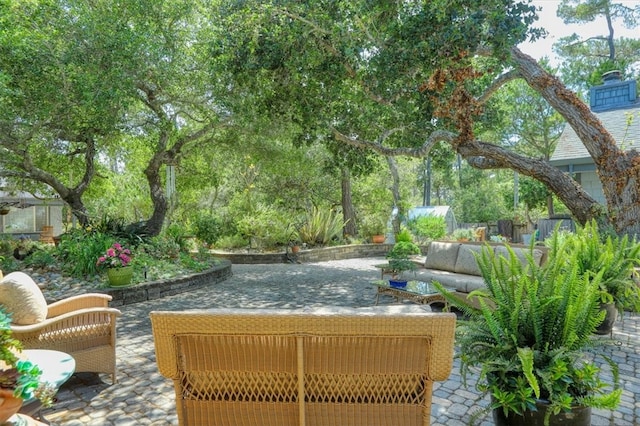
column 116, row 261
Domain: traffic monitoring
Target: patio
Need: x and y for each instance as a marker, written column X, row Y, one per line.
column 143, row 397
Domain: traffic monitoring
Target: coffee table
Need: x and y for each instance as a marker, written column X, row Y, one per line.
column 415, row 291
column 56, row 368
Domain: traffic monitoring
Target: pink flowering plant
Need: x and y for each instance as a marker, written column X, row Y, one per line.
column 116, row 256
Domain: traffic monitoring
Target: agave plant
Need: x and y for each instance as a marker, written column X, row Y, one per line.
column 530, row 334
column 320, row 227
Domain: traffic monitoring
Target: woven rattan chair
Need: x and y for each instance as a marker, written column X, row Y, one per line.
column 328, row 367
column 83, row 326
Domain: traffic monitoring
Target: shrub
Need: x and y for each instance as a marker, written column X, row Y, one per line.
column 232, row 242
column 268, row 227
column 207, row 228
column 428, row 227
column 79, row 250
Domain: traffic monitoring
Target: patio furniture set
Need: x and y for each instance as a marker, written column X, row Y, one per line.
column 326, row 366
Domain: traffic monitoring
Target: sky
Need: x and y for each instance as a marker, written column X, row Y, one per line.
column 557, row 29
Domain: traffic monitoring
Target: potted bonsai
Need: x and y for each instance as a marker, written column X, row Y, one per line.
column 616, row 258
column 399, row 258
column 530, row 335
column 19, row 379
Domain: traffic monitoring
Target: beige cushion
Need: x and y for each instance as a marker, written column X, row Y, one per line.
column 466, row 262
column 521, row 254
column 442, row 255
column 22, row 298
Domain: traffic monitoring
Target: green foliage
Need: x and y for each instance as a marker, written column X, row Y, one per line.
column 404, row 236
column 178, row 234
column 611, row 257
column 463, row 234
column 320, row 226
column 207, row 228
column 399, row 255
column 530, row 332
column 266, row 226
column 428, row 227
column 232, row 242
column 43, row 257
column 20, row 375
column 79, row 250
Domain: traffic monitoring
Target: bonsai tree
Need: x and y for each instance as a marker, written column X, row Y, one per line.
column 399, row 255
column 530, row 335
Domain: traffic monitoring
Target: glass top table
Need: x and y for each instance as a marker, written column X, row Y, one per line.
column 56, row 368
column 416, row 291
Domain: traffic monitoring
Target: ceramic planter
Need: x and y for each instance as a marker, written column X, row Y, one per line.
column 578, row 416
column 120, row 276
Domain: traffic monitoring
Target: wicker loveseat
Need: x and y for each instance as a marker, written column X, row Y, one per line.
column 324, row 366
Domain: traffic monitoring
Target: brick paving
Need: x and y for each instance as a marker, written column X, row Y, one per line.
column 143, row 397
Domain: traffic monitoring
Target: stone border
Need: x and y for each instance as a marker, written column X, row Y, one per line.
column 324, row 254
column 151, row 290
column 157, row 289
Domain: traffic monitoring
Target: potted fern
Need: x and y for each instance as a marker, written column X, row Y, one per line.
column 529, row 333
column 616, row 258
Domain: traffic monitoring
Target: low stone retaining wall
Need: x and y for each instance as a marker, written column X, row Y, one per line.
column 157, row 289
column 314, row 255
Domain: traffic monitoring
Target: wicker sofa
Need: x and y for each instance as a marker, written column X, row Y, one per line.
column 323, row 366
column 453, row 264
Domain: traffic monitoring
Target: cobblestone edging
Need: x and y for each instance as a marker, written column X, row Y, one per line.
column 157, row 289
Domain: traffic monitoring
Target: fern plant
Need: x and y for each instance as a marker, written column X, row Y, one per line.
column 614, row 257
column 530, row 333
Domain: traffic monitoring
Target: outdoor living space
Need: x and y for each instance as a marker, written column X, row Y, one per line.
column 142, row 396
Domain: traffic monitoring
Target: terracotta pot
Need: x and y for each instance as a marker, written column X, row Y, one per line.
column 9, row 404
column 377, row 239
column 295, row 249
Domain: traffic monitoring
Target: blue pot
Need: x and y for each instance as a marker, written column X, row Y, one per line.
column 398, row 283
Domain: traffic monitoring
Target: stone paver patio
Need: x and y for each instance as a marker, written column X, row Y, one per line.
column 143, row 397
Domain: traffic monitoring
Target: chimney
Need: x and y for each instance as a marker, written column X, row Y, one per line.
column 612, row 77
column 613, row 93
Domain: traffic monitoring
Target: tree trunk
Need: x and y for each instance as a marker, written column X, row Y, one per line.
column 395, row 190
column 348, row 212
column 618, row 170
column 156, row 190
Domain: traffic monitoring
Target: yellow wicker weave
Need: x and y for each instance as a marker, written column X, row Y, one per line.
column 303, row 367
column 83, row 326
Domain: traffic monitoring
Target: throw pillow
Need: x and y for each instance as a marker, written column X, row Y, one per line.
column 22, row 298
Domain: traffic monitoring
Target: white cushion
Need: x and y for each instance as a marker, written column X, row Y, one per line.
column 22, row 298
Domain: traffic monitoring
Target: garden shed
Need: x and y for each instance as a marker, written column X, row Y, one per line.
column 441, row 211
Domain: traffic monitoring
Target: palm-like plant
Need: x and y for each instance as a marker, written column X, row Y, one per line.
column 530, row 333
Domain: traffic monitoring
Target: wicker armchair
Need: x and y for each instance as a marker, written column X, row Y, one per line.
column 83, row 326
column 329, row 367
